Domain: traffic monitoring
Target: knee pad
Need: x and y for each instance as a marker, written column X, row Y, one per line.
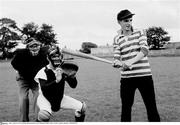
column 80, row 115
column 43, row 116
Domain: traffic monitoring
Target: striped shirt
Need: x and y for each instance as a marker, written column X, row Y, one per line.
column 127, row 47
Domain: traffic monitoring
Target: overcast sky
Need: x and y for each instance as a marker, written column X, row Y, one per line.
column 77, row 21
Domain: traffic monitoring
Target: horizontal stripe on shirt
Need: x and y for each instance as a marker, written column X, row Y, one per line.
column 136, row 71
column 143, row 60
column 140, row 67
column 130, row 51
column 135, row 74
column 128, row 58
column 132, row 38
column 121, row 41
column 129, row 45
column 141, row 63
column 130, row 54
column 116, row 56
column 143, row 41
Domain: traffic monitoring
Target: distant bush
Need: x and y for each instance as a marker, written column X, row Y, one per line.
column 86, row 47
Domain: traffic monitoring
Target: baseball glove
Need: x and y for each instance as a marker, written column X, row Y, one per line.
column 69, row 68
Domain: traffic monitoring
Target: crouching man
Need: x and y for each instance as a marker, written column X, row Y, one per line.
column 52, row 79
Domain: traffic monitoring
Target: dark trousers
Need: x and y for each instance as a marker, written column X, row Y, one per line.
column 145, row 86
column 24, row 87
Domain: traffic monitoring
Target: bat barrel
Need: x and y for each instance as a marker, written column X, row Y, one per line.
column 83, row 55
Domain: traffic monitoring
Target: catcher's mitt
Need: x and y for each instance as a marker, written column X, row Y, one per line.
column 69, row 65
column 69, row 68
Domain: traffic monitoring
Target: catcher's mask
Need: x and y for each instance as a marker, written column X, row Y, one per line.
column 55, row 56
column 33, row 45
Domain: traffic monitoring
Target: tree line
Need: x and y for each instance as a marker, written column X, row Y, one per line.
column 11, row 35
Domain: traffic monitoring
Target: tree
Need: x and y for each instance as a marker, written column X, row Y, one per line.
column 86, row 47
column 44, row 34
column 30, row 29
column 157, row 37
column 8, row 36
column 10, row 33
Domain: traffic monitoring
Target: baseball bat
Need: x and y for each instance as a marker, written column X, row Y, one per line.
column 86, row 56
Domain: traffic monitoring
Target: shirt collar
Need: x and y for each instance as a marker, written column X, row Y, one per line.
column 120, row 32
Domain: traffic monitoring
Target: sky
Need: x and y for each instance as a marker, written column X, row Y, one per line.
column 78, row 21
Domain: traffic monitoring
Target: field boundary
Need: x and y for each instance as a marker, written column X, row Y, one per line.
column 152, row 53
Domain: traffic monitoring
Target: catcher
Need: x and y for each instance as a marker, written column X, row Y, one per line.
column 52, row 79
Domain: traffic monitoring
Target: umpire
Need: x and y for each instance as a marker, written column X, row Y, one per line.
column 27, row 62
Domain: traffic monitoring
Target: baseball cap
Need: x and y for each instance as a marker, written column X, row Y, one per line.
column 124, row 14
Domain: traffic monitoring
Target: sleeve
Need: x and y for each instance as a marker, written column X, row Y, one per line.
column 40, row 75
column 43, row 53
column 16, row 64
column 143, row 43
column 116, row 49
column 71, row 81
column 42, row 79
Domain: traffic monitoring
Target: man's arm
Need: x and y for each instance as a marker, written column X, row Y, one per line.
column 144, row 49
column 16, row 61
column 45, row 83
column 116, row 53
column 72, row 81
column 138, row 57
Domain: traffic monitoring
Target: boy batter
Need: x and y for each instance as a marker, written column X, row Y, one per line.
column 130, row 53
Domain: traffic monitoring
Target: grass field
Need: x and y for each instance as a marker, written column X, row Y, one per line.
column 99, row 87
